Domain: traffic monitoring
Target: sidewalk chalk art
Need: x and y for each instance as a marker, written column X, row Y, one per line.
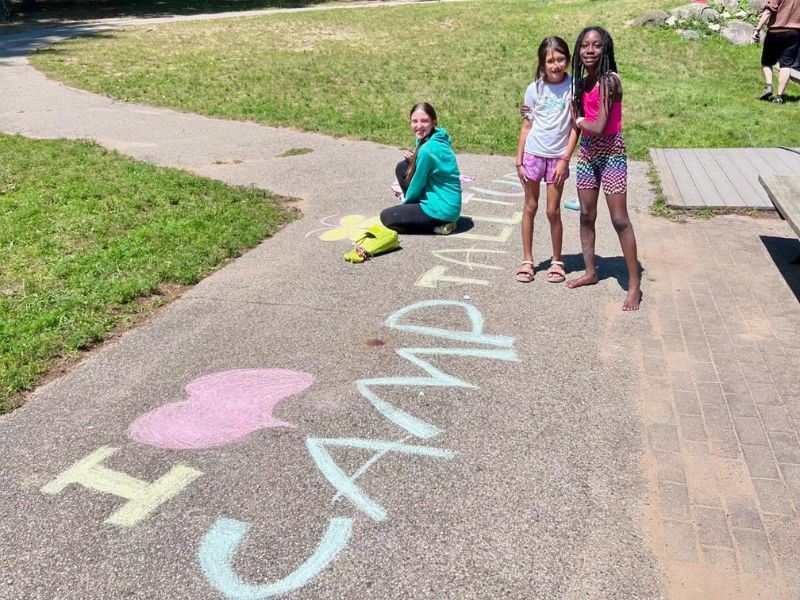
column 221, row 408
column 349, row 227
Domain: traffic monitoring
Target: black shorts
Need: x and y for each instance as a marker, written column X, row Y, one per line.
column 781, row 47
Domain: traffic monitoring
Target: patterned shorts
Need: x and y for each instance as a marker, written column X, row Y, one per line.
column 602, row 160
column 540, row 167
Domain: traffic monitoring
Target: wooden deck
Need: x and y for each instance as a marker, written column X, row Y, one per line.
column 721, row 177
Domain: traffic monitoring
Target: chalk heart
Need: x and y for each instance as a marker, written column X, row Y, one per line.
column 221, row 408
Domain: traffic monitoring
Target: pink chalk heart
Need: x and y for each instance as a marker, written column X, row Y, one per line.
column 222, row 407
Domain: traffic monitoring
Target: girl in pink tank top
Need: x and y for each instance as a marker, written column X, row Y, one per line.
column 602, row 160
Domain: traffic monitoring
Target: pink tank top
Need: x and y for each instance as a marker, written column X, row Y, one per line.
column 591, row 106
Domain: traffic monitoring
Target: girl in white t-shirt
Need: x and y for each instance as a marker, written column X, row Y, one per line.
column 547, row 140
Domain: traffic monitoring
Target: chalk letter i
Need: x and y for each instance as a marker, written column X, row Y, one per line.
column 143, row 497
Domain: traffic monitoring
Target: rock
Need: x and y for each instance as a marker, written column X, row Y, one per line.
column 653, row 18
column 756, row 6
column 695, row 11
column 738, row 32
column 687, row 11
column 688, row 34
column 671, row 21
column 732, row 5
column 713, row 26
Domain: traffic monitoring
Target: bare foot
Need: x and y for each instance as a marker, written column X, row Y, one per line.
column 584, row 279
column 632, row 299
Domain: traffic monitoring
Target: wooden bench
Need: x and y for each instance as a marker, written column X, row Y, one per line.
column 784, row 191
column 794, row 75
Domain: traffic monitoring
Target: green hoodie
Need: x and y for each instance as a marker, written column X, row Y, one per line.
column 436, row 183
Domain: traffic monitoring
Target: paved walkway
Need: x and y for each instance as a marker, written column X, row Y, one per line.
column 426, row 426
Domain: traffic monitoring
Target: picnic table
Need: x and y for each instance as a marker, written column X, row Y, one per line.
column 784, row 192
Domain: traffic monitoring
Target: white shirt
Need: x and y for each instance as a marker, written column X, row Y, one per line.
column 551, row 118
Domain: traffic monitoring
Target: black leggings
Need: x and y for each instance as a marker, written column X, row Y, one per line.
column 407, row 218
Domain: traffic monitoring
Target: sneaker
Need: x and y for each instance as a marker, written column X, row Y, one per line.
column 778, row 99
column 767, row 95
column 572, row 205
column 445, row 229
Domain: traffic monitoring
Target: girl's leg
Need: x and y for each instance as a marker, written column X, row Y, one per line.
column 528, row 214
column 588, row 200
column 408, row 218
column 554, row 216
column 618, row 207
column 400, row 173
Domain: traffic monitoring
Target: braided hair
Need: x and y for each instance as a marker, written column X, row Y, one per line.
column 605, row 66
column 412, row 162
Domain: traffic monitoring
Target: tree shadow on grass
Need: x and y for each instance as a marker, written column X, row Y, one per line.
column 783, row 252
column 59, row 12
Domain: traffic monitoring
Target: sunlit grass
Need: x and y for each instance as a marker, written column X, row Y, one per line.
column 85, row 234
column 356, row 73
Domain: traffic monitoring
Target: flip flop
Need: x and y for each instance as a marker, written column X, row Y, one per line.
column 376, row 240
column 572, row 205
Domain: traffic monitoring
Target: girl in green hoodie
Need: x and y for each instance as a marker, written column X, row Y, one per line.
column 429, row 178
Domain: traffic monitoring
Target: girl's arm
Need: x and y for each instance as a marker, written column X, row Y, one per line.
column 419, row 181
column 597, row 126
column 524, row 130
column 560, row 176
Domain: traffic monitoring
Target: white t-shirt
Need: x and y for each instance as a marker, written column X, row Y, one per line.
column 550, row 115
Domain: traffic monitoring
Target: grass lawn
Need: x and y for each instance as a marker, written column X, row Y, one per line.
column 356, row 73
column 86, row 234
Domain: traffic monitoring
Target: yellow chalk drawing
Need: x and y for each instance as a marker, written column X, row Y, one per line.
column 143, row 496
column 349, row 227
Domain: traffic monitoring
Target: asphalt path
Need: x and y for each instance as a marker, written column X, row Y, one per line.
column 418, row 426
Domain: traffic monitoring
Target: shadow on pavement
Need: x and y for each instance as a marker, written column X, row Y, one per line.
column 607, row 267
column 783, row 251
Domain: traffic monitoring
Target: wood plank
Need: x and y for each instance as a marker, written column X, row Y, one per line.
column 760, row 162
column 785, row 161
column 727, row 192
column 672, row 195
column 689, row 193
column 708, row 192
column 750, row 193
column 784, row 192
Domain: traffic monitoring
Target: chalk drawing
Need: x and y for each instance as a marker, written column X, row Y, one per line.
column 433, row 276
column 512, row 182
column 438, row 378
column 222, row 407
column 220, row 543
column 494, row 193
column 501, row 237
column 468, row 252
column 345, row 485
column 350, row 226
column 143, row 497
column 474, row 336
column 488, row 201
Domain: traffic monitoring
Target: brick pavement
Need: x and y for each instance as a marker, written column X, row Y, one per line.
column 721, row 399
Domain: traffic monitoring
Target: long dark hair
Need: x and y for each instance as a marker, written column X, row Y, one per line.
column 555, row 44
column 605, row 66
column 429, row 110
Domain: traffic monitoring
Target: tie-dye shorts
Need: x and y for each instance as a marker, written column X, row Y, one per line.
column 602, row 160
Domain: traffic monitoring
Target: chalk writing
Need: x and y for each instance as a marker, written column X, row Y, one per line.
column 219, row 545
column 143, row 497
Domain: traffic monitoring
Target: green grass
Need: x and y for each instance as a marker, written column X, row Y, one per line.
column 355, row 73
column 86, row 234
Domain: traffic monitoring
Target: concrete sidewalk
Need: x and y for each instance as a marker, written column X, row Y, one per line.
column 446, row 432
